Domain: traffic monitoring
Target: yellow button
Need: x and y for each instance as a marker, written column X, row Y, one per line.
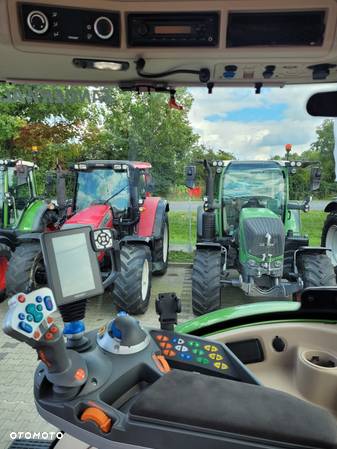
column 217, row 365
column 213, row 349
column 212, row 356
column 207, row 347
column 224, row 366
column 218, row 356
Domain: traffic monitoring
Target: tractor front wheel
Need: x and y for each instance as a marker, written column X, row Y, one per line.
column 329, row 238
column 132, row 288
column 206, row 285
column 5, row 255
column 316, row 270
column 26, row 271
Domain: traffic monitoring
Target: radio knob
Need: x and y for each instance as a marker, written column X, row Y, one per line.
column 142, row 29
column 103, row 27
column 37, row 22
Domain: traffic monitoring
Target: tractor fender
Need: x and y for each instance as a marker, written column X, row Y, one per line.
column 151, row 218
column 331, row 207
column 32, row 218
column 136, row 240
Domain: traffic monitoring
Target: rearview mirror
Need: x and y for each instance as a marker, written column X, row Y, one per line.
column 190, row 176
column 323, row 104
column 315, row 178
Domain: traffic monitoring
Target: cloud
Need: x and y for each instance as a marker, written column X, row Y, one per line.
column 255, row 126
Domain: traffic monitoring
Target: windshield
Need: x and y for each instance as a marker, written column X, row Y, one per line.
column 251, row 181
column 103, row 185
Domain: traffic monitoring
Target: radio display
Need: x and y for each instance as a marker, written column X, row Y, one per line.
column 172, row 29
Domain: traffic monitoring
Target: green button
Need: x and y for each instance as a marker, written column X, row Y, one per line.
column 30, row 309
column 39, row 307
column 190, row 343
column 38, row 317
column 197, row 344
column 202, row 360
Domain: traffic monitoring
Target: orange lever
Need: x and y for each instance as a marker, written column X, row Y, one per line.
column 161, row 363
column 98, row 417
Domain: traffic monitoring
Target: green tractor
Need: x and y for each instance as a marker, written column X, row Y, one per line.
column 247, row 223
column 22, row 211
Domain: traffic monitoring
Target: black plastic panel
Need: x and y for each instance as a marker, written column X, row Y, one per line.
column 248, row 351
column 300, row 28
column 173, row 30
column 75, row 26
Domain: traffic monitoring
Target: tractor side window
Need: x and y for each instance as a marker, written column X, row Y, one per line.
column 142, row 186
column 103, row 186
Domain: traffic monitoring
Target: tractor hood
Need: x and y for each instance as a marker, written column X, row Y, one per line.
column 96, row 216
column 317, row 304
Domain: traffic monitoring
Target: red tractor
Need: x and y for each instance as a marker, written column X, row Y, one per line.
column 109, row 194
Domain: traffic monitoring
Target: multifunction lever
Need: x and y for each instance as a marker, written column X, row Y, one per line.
column 29, row 320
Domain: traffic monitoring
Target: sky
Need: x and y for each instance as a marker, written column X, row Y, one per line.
column 255, row 126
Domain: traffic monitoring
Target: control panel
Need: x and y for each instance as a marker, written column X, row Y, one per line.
column 29, row 314
column 195, row 354
column 171, row 30
column 48, row 23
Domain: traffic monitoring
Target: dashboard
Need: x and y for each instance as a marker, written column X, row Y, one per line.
column 240, row 42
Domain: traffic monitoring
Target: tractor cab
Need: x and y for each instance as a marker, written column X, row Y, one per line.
column 121, row 185
column 17, row 190
column 252, row 185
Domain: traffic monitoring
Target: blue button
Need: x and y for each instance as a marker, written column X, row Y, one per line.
column 175, row 340
column 38, row 299
column 21, row 316
column 48, row 303
column 38, row 317
column 25, row 327
column 29, row 317
column 122, row 313
column 188, row 356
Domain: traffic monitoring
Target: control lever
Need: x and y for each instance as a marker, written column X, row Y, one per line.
column 168, row 305
column 29, row 320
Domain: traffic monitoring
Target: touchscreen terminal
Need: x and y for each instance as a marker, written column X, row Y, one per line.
column 71, row 265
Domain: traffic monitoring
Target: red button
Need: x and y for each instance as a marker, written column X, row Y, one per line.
column 159, row 337
column 21, row 298
column 37, row 335
column 49, row 336
column 54, row 330
column 50, row 320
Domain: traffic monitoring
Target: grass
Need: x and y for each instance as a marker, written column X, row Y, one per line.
column 312, row 224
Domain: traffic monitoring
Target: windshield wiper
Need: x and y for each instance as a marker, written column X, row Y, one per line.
column 115, row 194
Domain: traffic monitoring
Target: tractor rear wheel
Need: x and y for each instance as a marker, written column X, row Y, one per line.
column 161, row 252
column 26, row 271
column 329, row 238
column 206, row 285
column 132, row 288
column 5, row 255
column 316, row 270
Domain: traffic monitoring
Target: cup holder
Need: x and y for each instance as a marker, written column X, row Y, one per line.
column 316, row 377
column 320, row 359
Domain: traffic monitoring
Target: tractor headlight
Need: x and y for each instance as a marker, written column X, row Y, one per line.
column 278, row 264
column 252, row 263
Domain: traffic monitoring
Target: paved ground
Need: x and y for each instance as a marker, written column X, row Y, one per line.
column 183, row 206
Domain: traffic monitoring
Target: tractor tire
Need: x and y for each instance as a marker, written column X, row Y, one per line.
column 329, row 238
column 161, row 252
column 206, row 285
column 26, row 270
column 132, row 289
column 5, row 255
column 316, row 270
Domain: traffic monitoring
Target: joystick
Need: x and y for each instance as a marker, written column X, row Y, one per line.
column 29, row 320
column 123, row 335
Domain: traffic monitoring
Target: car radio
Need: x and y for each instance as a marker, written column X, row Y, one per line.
column 171, row 30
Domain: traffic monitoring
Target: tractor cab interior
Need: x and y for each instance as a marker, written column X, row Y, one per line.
column 238, row 381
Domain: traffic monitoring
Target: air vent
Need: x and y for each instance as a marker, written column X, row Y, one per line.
column 295, row 29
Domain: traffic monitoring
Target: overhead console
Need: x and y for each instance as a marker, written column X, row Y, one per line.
column 239, row 43
column 82, row 26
